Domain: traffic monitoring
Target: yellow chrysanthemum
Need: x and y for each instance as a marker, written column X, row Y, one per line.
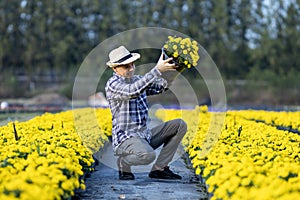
column 175, row 54
column 185, row 49
column 178, row 39
column 171, row 39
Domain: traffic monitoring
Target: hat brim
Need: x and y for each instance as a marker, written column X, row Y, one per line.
column 135, row 56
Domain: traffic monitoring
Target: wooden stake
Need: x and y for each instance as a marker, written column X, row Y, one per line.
column 15, row 131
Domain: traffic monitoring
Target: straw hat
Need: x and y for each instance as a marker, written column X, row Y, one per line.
column 121, row 56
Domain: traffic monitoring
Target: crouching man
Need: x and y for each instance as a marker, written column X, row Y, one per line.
column 132, row 140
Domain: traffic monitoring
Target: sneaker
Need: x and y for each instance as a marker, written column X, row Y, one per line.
column 165, row 174
column 124, row 170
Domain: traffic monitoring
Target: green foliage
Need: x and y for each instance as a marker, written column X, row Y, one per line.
column 282, row 80
column 242, row 37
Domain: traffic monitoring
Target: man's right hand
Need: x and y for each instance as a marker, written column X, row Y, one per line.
column 164, row 65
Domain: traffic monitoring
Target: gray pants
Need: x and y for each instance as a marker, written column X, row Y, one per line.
column 137, row 151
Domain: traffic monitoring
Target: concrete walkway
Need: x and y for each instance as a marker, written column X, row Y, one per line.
column 104, row 183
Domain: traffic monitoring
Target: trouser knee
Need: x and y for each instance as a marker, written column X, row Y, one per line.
column 182, row 126
column 147, row 158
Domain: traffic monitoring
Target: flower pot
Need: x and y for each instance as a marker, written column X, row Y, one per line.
column 180, row 67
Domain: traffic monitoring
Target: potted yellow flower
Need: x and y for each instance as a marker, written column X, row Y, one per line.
column 183, row 50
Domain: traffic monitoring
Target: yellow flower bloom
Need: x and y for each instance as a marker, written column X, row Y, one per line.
column 178, row 39
column 82, row 186
column 175, row 54
column 198, row 171
column 171, row 39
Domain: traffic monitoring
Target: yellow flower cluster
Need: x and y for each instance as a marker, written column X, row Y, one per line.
column 93, row 126
column 251, row 160
column 284, row 119
column 183, row 50
column 45, row 157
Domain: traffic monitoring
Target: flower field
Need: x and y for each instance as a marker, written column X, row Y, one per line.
column 284, row 119
column 45, row 157
column 252, row 158
column 48, row 156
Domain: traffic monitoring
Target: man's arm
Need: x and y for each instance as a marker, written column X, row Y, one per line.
column 119, row 90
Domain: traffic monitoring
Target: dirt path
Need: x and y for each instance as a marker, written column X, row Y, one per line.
column 104, row 182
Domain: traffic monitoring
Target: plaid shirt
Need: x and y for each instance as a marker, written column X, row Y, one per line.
column 128, row 104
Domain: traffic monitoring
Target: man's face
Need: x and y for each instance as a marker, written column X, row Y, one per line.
column 125, row 70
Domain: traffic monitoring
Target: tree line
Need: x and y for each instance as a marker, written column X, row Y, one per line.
column 243, row 37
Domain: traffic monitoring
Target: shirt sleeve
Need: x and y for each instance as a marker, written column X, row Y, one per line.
column 158, row 86
column 117, row 89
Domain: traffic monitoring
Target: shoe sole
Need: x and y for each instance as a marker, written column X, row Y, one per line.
column 165, row 178
column 126, row 179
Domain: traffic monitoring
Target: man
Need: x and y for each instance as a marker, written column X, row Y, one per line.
column 132, row 140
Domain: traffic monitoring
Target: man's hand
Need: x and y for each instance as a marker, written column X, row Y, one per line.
column 164, row 65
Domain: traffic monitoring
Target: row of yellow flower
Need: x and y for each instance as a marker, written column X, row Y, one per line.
column 47, row 156
column 284, row 119
column 250, row 160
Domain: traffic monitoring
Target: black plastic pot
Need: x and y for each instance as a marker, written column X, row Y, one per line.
column 180, row 67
